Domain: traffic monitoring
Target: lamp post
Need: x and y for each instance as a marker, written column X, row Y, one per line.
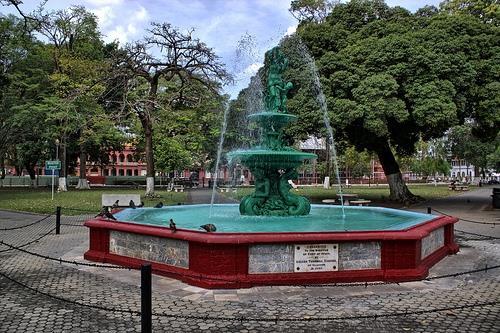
column 57, row 158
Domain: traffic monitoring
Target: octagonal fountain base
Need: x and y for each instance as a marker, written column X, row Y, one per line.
column 242, row 260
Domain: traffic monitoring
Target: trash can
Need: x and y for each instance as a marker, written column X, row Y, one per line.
column 496, row 198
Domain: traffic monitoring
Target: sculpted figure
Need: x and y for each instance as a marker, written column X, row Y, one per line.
column 277, row 88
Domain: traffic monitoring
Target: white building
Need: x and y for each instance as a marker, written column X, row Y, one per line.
column 462, row 169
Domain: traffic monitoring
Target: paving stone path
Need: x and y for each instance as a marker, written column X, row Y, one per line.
column 39, row 295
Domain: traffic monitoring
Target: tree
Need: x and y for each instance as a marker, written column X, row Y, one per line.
column 486, row 10
column 392, row 77
column 311, row 10
column 465, row 145
column 431, row 158
column 356, row 164
column 164, row 55
column 81, row 69
column 24, row 84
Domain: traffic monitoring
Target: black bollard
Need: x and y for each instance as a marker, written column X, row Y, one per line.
column 58, row 220
column 146, row 312
column 429, row 210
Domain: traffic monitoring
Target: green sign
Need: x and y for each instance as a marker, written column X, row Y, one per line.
column 53, row 165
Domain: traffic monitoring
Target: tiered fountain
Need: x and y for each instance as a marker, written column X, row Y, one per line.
column 272, row 163
column 277, row 237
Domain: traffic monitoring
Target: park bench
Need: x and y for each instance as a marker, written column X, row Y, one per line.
column 178, row 188
column 109, row 200
column 224, row 189
column 458, row 187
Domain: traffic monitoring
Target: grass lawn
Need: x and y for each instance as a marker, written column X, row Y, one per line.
column 39, row 200
column 378, row 194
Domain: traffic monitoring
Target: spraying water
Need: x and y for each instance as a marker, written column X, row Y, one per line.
column 321, row 99
column 219, row 153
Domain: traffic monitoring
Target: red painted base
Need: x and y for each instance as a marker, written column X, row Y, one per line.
column 220, row 260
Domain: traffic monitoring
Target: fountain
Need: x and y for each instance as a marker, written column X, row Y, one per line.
column 274, row 236
column 272, row 163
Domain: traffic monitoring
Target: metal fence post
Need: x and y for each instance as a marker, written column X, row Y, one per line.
column 58, row 220
column 429, row 210
column 146, row 312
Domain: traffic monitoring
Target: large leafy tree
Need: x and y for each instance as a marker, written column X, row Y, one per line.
column 81, row 69
column 165, row 55
column 392, row 77
column 187, row 135
column 24, row 85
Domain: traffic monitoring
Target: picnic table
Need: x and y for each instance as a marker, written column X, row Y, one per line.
column 361, row 202
column 329, row 201
column 347, row 197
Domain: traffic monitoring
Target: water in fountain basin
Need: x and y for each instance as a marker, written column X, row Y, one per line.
column 323, row 218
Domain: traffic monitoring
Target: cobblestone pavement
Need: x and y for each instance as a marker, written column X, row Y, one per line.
column 40, row 295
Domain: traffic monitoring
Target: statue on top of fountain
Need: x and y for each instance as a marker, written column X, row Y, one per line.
column 277, row 88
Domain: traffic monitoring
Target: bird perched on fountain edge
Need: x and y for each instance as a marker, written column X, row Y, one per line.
column 209, row 227
column 172, row 226
column 106, row 213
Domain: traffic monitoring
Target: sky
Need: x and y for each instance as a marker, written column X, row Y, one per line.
column 221, row 24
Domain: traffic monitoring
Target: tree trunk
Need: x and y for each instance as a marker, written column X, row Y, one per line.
column 82, row 180
column 63, row 185
column 150, row 168
column 2, row 169
column 32, row 173
column 398, row 189
column 147, row 125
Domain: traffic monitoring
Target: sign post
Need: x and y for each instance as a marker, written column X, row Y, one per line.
column 53, row 165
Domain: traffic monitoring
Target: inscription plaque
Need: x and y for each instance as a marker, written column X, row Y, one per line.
column 316, row 257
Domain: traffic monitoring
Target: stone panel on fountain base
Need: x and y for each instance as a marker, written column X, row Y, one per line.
column 172, row 252
column 280, row 258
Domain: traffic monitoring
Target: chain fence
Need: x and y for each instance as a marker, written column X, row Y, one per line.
column 78, row 220
column 250, row 319
column 27, row 225
column 467, row 220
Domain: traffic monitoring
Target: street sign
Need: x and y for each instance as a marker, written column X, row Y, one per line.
column 53, row 165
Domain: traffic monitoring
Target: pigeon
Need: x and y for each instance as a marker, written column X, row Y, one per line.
column 104, row 210
column 116, row 204
column 159, row 205
column 141, row 205
column 209, row 227
column 172, row 226
column 131, row 204
column 110, row 216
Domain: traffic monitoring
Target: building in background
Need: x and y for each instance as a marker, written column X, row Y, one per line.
column 122, row 163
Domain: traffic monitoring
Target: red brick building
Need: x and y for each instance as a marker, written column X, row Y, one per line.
column 122, row 163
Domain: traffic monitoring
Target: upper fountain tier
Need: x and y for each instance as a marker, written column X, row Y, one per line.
column 271, row 153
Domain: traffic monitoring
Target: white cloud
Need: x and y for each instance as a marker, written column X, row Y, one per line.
column 291, row 30
column 118, row 34
column 128, row 25
column 253, row 68
column 141, row 14
column 105, row 16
